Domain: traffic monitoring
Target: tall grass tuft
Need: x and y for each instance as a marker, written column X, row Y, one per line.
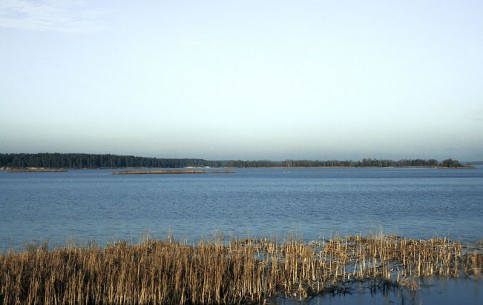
column 241, row 271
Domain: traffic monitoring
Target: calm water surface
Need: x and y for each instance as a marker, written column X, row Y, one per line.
column 435, row 291
column 94, row 205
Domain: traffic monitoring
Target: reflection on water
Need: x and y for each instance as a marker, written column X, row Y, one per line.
column 432, row 291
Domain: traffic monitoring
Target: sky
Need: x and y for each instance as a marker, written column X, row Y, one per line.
column 225, row 79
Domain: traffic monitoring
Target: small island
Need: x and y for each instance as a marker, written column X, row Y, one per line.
column 225, row 171
column 161, row 172
column 33, row 169
column 171, row 172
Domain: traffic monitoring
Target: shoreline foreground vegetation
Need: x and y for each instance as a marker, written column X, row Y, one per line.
column 58, row 161
column 238, row 271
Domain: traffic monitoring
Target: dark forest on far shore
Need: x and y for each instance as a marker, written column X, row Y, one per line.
column 93, row 161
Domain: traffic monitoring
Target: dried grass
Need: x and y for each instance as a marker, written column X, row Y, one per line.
column 161, row 172
column 240, row 271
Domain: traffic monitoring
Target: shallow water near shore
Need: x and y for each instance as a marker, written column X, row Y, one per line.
column 438, row 291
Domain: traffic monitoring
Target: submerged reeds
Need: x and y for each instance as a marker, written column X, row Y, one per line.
column 236, row 272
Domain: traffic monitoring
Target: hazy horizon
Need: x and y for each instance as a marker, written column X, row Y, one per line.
column 248, row 80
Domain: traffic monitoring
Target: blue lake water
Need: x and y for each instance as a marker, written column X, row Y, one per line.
column 94, row 205
column 91, row 205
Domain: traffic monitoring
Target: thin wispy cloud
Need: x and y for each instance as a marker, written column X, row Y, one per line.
column 61, row 16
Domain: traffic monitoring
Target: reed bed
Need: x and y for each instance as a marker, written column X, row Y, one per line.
column 224, row 171
column 241, row 271
column 161, row 172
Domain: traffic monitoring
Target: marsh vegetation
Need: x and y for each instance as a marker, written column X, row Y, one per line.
column 171, row 172
column 161, row 172
column 238, row 271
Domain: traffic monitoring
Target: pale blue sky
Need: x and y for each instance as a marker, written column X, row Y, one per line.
column 243, row 79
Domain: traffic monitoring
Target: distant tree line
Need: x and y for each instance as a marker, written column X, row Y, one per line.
column 77, row 161
column 366, row 162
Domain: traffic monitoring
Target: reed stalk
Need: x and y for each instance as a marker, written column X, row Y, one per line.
column 241, row 271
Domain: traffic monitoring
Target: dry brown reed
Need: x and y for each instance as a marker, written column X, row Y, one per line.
column 225, row 171
column 161, row 172
column 240, row 271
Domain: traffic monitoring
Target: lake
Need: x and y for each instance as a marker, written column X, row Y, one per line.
column 94, row 205
column 88, row 205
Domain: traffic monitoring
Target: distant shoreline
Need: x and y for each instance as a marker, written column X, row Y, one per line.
column 52, row 162
column 218, row 170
